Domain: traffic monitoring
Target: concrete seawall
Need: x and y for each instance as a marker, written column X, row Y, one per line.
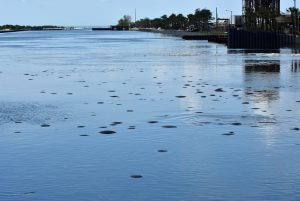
column 241, row 39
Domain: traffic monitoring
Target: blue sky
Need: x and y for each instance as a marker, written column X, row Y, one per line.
column 105, row 12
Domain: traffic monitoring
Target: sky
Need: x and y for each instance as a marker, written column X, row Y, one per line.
column 106, row 12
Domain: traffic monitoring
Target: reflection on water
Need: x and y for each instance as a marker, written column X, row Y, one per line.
column 266, row 95
column 262, row 79
column 295, row 66
column 254, row 66
column 295, row 51
column 136, row 116
column 254, row 51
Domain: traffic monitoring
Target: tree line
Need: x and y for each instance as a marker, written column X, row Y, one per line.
column 22, row 28
column 200, row 20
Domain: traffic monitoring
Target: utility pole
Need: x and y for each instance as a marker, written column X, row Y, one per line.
column 295, row 17
column 294, row 14
column 135, row 15
column 217, row 17
column 231, row 20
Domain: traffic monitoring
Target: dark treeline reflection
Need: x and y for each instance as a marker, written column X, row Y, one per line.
column 267, row 65
column 262, row 66
column 295, row 66
column 244, row 51
column 295, row 51
column 262, row 80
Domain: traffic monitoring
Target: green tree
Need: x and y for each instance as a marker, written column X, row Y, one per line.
column 202, row 18
column 125, row 21
column 164, row 21
column 181, row 21
column 172, row 21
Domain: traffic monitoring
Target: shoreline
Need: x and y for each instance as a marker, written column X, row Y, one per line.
column 177, row 33
column 11, row 31
column 215, row 37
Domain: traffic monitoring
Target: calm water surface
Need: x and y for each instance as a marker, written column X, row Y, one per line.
column 223, row 124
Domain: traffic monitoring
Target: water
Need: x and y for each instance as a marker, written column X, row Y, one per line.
column 194, row 120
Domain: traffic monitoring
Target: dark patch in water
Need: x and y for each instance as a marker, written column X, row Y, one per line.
column 205, row 122
column 219, row 90
column 267, row 122
column 236, row 124
column 229, row 134
column 162, row 151
column 169, row 126
column 136, row 176
column 116, row 123
column 152, row 122
column 180, row 96
column 131, row 127
column 28, row 193
column 107, row 132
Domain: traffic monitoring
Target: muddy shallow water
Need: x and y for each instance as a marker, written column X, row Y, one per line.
column 140, row 116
